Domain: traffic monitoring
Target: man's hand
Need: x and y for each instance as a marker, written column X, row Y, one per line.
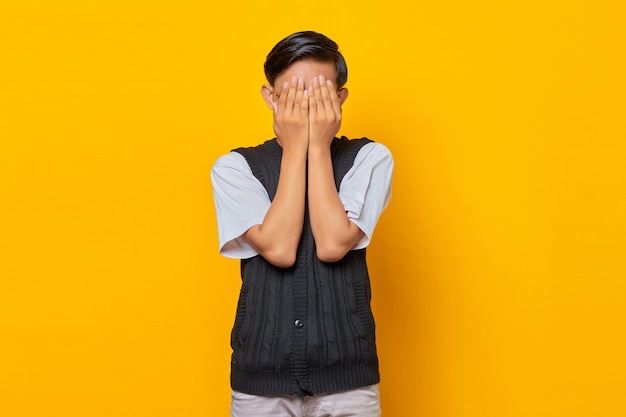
column 324, row 112
column 333, row 232
column 276, row 239
column 291, row 116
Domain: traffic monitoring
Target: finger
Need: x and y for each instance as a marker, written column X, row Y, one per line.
column 304, row 105
column 334, row 97
column 282, row 97
column 312, row 103
column 291, row 95
column 317, row 93
column 298, row 97
column 328, row 106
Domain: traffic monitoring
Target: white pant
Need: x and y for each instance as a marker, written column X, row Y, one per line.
column 360, row 402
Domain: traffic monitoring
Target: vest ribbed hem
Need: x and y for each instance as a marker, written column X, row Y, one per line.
column 322, row 380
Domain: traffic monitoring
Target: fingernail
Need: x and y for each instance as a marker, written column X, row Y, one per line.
column 300, row 82
column 322, row 79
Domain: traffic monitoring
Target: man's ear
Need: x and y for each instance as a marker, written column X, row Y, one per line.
column 343, row 95
column 267, row 91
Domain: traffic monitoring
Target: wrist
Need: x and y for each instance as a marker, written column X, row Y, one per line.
column 319, row 149
column 294, row 153
column 293, row 144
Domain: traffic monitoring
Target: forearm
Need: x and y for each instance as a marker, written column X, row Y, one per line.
column 277, row 238
column 333, row 232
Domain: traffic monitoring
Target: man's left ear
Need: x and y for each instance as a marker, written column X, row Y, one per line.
column 343, row 95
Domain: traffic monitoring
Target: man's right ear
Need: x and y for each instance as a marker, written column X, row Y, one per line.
column 267, row 91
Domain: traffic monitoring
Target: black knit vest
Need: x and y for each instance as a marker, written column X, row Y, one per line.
column 306, row 329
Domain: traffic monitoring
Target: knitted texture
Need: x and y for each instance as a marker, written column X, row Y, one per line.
column 306, row 329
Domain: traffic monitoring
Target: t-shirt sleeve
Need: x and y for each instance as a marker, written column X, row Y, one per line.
column 365, row 190
column 241, row 202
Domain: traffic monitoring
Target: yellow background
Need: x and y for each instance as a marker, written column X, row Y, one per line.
column 498, row 269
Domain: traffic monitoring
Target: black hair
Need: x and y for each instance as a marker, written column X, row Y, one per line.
column 305, row 45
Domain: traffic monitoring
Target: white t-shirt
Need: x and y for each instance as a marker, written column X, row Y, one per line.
column 241, row 201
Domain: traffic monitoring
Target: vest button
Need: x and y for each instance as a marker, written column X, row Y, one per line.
column 298, row 323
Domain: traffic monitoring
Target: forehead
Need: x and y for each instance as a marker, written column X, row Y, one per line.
column 307, row 69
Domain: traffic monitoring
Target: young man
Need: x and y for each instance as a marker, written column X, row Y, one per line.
column 299, row 211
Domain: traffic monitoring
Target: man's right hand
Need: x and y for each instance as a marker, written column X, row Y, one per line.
column 291, row 116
